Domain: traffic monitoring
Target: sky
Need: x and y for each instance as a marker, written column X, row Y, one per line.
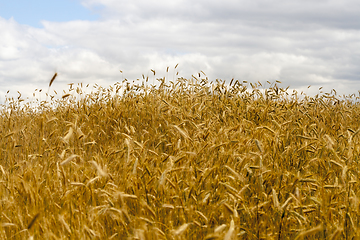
column 299, row 43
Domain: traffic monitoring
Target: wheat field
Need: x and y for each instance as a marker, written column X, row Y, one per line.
column 182, row 159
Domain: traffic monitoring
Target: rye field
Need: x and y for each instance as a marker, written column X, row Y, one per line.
column 182, row 159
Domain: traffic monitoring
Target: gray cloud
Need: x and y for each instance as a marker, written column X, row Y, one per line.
column 300, row 43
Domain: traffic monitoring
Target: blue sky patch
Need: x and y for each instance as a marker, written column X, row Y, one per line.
column 34, row 11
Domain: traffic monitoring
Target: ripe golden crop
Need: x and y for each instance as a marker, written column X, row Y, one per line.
column 182, row 160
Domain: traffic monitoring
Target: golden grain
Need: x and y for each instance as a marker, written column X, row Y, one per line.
column 52, row 79
column 33, row 221
column 309, row 232
column 100, row 171
column 231, row 230
column 69, row 159
column 181, row 229
column 187, row 159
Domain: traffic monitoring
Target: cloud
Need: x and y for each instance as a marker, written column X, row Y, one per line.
column 262, row 13
column 300, row 43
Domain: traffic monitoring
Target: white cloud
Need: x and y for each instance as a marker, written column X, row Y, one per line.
column 300, row 43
